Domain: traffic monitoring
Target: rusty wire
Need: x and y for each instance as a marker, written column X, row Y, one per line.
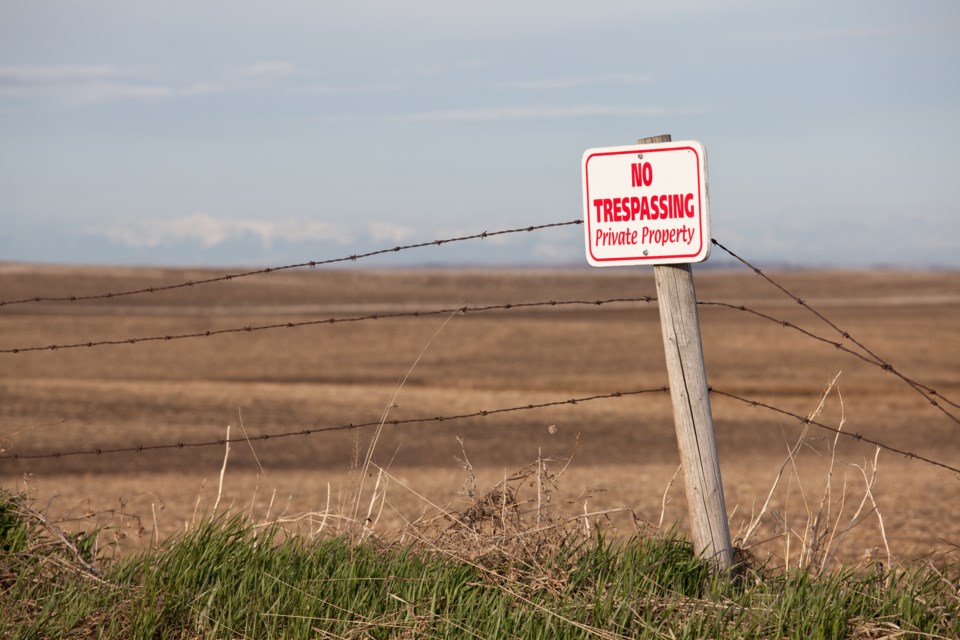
column 479, row 309
column 343, row 427
column 872, row 358
column 464, row 309
column 838, row 345
column 859, row 437
column 930, row 395
column 180, row 445
column 311, row 263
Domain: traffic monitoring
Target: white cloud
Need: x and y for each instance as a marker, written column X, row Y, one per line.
column 57, row 74
column 538, row 112
column 212, row 231
column 75, row 84
column 390, row 232
column 447, row 67
column 93, row 84
column 112, row 91
column 266, row 69
column 576, row 82
column 336, row 89
column 88, row 93
column 202, row 88
column 570, row 251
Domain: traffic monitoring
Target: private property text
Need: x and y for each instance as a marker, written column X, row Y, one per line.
column 633, row 208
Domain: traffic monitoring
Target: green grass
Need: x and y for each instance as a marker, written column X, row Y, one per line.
column 225, row 579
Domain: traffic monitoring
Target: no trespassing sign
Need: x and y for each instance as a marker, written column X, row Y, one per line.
column 646, row 204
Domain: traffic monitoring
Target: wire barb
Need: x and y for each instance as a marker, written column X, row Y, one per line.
column 872, row 357
column 864, row 353
column 482, row 413
column 462, row 310
column 855, row 436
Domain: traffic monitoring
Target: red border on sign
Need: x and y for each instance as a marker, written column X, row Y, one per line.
column 586, row 170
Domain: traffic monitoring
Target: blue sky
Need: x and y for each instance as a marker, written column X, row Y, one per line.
column 215, row 133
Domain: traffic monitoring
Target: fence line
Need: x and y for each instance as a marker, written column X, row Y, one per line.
column 859, row 437
column 345, row 427
column 312, row 263
column 839, row 345
column 180, row 445
column 332, row 320
column 419, row 313
column 922, row 389
column 926, row 392
column 479, row 309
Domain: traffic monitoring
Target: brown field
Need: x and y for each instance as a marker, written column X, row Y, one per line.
column 624, row 450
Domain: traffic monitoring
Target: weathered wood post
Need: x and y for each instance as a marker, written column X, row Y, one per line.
column 693, row 419
column 647, row 204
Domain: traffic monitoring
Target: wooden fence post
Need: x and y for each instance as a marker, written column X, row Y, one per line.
column 693, row 420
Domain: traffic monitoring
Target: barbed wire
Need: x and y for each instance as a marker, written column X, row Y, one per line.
column 838, row 345
column 415, row 314
column 483, row 413
column 872, row 358
column 463, row 309
column 859, row 437
column 343, row 427
column 925, row 391
column 311, row 263
column 920, row 388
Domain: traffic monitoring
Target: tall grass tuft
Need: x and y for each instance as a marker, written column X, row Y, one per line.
column 226, row 579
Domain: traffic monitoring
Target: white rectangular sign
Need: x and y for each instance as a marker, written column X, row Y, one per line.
column 646, row 204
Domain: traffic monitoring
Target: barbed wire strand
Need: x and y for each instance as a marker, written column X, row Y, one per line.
column 343, row 427
column 475, row 414
column 920, row 388
column 873, row 358
column 417, row 314
column 859, row 437
column 311, row 263
column 886, row 366
column 838, row 345
column 464, row 309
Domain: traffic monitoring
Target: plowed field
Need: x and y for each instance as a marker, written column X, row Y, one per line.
column 286, row 380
